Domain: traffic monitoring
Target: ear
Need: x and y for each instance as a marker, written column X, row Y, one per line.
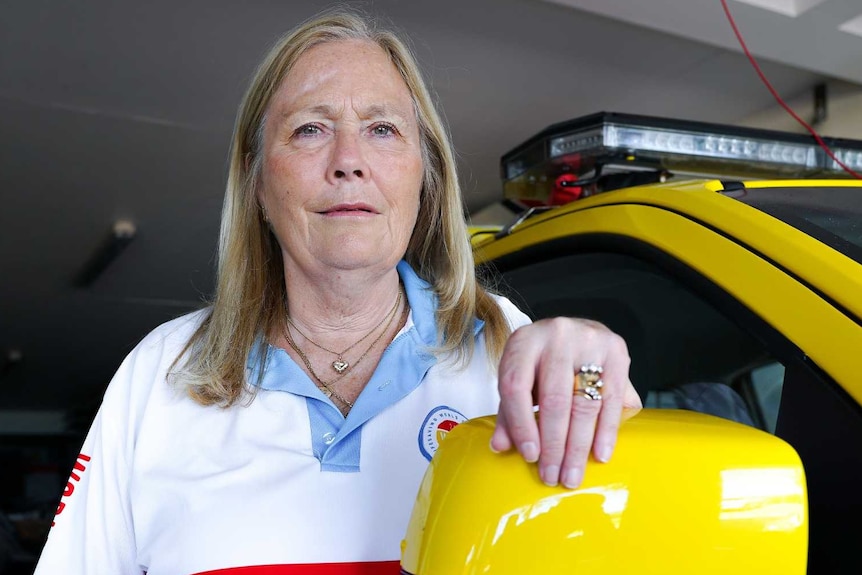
column 263, row 211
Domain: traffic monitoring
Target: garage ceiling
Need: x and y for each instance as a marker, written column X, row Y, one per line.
column 113, row 110
column 818, row 35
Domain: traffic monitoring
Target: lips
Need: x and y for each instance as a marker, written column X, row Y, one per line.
column 350, row 209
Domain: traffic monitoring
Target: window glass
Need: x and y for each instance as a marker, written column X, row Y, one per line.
column 832, row 215
column 766, row 383
column 685, row 353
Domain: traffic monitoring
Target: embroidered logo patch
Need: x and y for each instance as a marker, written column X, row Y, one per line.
column 440, row 421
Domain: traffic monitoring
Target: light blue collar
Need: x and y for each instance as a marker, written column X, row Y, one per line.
column 336, row 439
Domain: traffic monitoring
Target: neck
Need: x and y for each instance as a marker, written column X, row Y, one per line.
column 339, row 306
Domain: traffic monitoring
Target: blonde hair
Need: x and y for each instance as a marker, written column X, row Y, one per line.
column 250, row 292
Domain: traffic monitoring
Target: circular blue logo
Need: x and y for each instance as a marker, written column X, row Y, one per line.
column 440, row 421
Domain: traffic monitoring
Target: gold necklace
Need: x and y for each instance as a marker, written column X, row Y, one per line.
column 340, row 365
column 326, row 386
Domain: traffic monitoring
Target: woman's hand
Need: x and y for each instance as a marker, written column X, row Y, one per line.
column 540, row 362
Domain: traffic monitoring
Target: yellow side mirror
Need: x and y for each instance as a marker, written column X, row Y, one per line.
column 684, row 493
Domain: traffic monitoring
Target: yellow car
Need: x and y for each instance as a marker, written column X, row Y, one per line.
column 739, row 298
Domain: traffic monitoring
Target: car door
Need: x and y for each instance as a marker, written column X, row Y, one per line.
column 712, row 326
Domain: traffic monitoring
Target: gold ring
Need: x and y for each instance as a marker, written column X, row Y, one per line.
column 588, row 381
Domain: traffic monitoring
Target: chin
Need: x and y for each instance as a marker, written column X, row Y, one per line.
column 372, row 261
column 352, row 253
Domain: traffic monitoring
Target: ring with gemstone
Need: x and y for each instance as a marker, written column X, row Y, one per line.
column 588, row 381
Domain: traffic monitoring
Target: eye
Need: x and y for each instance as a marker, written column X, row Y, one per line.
column 308, row 130
column 383, row 129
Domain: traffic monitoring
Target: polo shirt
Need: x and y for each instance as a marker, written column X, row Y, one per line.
column 282, row 484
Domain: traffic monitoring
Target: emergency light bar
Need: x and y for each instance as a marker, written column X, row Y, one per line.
column 609, row 150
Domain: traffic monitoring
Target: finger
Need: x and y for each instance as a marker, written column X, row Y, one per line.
column 631, row 399
column 581, row 432
column 555, row 406
column 500, row 440
column 616, row 386
column 516, row 376
column 609, row 421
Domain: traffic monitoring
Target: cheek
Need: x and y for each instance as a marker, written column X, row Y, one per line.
column 281, row 178
column 411, row 176
column 409, row 206
column 270, row 174
column 278, row 168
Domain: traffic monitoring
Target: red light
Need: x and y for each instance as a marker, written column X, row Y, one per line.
column 564, row 192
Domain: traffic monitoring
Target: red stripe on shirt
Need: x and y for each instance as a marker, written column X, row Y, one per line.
column 364, row 568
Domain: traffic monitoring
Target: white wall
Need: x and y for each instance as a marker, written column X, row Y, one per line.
column 843, row 120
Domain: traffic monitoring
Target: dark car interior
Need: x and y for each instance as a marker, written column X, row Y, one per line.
column 685, row 353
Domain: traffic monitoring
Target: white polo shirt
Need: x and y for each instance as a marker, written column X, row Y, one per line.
column 282, row 485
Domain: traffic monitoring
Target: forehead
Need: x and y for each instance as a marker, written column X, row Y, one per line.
column 355, row 69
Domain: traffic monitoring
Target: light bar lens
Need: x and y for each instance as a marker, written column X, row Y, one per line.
column 705, row 145
column 851, row 158
column 577, row 143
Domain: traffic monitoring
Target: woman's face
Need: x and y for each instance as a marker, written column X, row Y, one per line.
column 342, row 165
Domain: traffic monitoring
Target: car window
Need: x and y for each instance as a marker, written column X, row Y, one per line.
column 766, row 383
column 833, row 215
column 685, row 353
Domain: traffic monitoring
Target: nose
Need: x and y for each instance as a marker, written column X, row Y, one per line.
column 348, row 162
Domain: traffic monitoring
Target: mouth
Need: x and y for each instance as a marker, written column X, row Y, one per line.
column 349, row 210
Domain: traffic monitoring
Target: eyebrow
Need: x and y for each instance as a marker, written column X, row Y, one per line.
column 373, row 111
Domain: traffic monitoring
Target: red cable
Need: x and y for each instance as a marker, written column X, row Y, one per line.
column 779, row 99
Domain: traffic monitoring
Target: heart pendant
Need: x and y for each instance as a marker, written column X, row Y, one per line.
column 340, row 365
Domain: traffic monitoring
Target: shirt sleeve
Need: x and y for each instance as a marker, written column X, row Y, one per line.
column 514, row 316
column 93, row 530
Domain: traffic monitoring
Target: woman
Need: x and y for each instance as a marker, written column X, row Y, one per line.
column 301, row 408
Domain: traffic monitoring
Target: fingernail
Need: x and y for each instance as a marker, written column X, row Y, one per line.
column 572, row 478
column 491, row 445
column 530, row 451
column 604, row 453
column 551, row 475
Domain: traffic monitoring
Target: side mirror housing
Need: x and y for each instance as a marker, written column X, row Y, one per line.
column 684, row 493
